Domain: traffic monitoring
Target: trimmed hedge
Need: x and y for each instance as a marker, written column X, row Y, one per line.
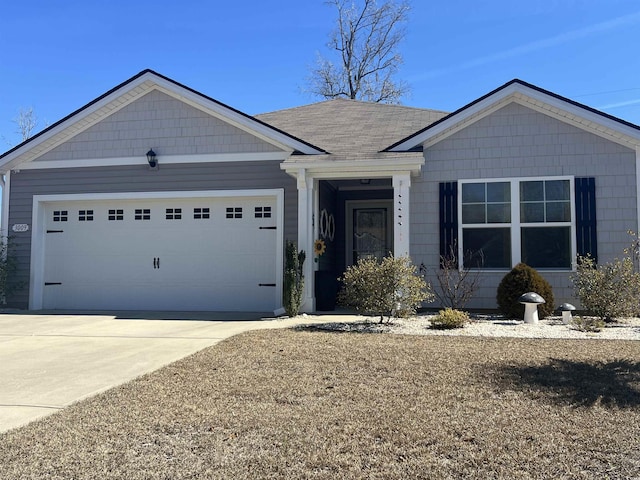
column 522, row 279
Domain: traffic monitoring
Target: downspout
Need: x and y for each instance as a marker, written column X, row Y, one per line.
column 5, row 182
column 638, row 188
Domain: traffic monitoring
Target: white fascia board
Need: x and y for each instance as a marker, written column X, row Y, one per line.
column 531, row 98
column 163, row 160
column 373, row 168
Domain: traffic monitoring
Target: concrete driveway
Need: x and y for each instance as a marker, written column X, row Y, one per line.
column 48, row 361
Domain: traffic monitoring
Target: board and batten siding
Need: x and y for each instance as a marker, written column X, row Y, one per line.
column 245, row 175
column 517, row 142
column 161, row 122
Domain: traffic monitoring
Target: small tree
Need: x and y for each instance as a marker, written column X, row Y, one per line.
column 389, row 287
column 456, row 285
column 293, row 284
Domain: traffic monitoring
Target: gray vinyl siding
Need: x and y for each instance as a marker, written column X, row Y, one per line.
column 161, row 122
column 186, row 177
column 516, row 142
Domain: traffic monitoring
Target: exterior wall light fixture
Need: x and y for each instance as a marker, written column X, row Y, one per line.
column 151, row 158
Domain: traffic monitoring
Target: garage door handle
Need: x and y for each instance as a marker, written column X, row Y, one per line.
column 156, row 262
column 266, row 284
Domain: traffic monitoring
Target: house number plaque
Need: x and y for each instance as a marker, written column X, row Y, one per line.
column 20, row 227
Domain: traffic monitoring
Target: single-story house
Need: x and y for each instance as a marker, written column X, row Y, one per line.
column 157, row 197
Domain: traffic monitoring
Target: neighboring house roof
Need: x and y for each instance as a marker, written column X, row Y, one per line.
column 127, row 92
column 539, row 99
column 349, row 128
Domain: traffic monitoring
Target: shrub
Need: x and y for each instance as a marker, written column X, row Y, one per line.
column 293, row 285
column 387, row 287
column 522, row 279
column 608, row 290
column 450, row 318
column 8, row 268
column 586, row 324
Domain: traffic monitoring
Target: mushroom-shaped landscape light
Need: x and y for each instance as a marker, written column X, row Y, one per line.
column 531, row 300
column 566, row 309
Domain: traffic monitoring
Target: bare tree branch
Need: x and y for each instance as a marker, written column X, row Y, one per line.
column 27, row 121
column 365, row 40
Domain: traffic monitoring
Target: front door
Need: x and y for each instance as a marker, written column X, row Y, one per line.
column 371, row 234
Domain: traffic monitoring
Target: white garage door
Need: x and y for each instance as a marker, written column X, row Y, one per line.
column 162, row 254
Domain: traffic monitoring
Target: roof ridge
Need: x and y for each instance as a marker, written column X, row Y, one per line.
column 354, row 101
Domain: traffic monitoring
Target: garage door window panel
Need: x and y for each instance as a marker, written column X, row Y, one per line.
column 263, row 212
column 142, row 214
column 116, row 215
column 85, row 216
column 60, row 215
column 234, row 212
column 173, row 213
column 201, row 213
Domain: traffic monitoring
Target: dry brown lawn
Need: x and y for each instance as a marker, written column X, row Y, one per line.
column 309, row 404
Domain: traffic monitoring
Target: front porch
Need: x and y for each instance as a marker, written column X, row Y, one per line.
column 355, row 217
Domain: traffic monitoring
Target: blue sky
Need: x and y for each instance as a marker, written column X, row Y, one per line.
column 58, row 55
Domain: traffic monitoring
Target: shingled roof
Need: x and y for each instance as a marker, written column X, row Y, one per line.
column 350, row 128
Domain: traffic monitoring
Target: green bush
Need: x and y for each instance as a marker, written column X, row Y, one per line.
column 522, row 279
column 293, row 285
column 391, row 287
column 586, row 324
column 450, row 318
column 609, row 290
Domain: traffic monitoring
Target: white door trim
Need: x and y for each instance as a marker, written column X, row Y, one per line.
column 36, row 276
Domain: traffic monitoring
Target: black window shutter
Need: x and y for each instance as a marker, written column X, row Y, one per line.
column 448, row 219
column 586, row 233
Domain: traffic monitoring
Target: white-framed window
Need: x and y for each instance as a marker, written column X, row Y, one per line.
column 507, row 221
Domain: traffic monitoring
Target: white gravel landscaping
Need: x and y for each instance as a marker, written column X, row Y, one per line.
column 493, row 326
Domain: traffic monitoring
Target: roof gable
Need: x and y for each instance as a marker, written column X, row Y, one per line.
column 128, row 92
column 159, row 121
column 536, row 98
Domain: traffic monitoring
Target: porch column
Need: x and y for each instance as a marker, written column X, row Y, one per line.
column 305, row 235
column 401, row 185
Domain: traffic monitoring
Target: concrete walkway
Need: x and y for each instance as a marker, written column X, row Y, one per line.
column 50, row 360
